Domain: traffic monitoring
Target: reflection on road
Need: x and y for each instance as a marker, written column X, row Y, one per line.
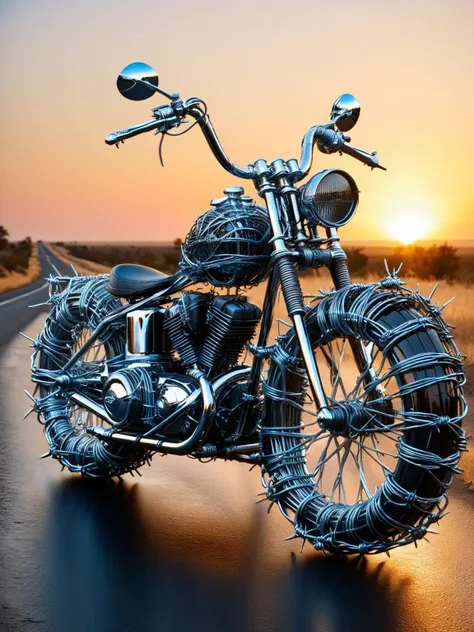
column 186, row 548
column 108, row 570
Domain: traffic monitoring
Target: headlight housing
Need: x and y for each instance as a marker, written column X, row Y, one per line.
column 329, row 198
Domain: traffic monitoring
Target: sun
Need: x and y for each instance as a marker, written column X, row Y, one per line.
column 408, row 227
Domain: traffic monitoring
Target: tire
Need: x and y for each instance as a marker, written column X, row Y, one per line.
column 77, row 310
column 424, row 412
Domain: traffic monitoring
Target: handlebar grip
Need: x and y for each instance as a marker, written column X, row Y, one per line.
column 363, row 156
column 165, row 118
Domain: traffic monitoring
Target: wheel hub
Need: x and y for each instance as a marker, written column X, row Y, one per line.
column 347, row 418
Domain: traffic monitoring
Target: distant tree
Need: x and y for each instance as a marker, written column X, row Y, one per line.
column 435, row 262
column 25, row 244
column 357, row 260
column 177, row 243
column 443, row 262
column 4, row 234
column 415, row 262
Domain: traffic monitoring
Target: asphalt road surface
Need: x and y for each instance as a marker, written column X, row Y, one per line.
column 186, row 547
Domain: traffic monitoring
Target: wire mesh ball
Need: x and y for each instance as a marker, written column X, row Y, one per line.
column 229, row 245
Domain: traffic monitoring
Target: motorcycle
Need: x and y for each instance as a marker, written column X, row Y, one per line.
column 354, row 414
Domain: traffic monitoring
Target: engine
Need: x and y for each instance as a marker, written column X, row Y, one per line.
column 232, row 322
column 211, row 332
column 197, row 330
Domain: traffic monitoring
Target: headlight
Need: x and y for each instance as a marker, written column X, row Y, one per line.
column 329, row 198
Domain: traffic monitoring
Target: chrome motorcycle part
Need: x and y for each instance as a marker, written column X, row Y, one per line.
column 185, row 446
column 229, row 245
column 345, row 112
column 216, row 385
column 146, row 334
column 198, row 110
column 329, row 198
column 77, row 310
column 231, row 324
column 138, row 81
column 115, row 317
column 250, row 420
column 129, row 396
column 288, row 278
column 371, row 471
column 90, row 405
column 329, row 141
column 164, row 119
column 172, row 392
column 185, row 325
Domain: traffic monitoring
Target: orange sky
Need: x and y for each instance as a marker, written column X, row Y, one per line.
column 267, row 73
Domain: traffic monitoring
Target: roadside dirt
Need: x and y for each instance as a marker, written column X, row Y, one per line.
column 15, row 280
column 81, row 265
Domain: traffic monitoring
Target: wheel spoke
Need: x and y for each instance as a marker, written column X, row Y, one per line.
column 89, row 365
column 382, row 419
column 358, row 459
column 338, row 375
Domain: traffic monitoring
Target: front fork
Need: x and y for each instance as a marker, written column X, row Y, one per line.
column 341, row 279
column 290, row 285
column 291, row 288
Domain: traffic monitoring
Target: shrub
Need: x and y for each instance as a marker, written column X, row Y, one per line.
column 357, row 261
column 16, row 256
column 435, row 262
column 3, row 237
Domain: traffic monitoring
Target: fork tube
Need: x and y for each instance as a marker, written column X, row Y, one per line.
column 248, row 422
column 301, row 238
column 289, row 282
column 310, row 362
column 267, row 317
column 341, row 279
column 338, row 269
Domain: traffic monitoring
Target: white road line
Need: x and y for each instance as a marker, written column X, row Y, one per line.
column 17, row 298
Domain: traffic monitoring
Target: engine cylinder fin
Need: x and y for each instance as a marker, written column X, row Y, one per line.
column 184, row 324
column 232, row 322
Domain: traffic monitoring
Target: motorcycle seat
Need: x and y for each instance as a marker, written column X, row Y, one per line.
column 129, row 280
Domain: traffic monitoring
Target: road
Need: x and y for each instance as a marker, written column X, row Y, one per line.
column 16, row 312
column 186, row 547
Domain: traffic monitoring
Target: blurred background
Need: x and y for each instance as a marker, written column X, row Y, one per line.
column 186, row 548
column 268, row 71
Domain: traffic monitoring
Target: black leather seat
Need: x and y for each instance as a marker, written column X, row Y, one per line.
column 129, row 280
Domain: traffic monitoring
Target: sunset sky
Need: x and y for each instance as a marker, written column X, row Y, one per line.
column 268, row 71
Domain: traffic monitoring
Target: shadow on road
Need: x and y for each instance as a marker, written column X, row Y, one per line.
column 103, row 571
column 339, row 594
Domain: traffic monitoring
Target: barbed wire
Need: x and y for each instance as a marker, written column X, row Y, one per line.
column 79, row 304
column 427, row 437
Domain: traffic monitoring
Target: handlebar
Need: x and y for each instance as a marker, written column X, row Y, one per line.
column 214, row 143
column 329, row 141
column 166, row 117
column 363, row 156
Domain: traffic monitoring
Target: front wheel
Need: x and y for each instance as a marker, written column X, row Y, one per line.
column 371, row 471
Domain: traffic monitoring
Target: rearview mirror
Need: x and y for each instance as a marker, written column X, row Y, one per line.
column 129, row 81
column 345, row 112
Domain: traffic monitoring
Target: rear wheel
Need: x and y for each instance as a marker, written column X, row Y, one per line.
column 371, row 471
column 77, row 311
